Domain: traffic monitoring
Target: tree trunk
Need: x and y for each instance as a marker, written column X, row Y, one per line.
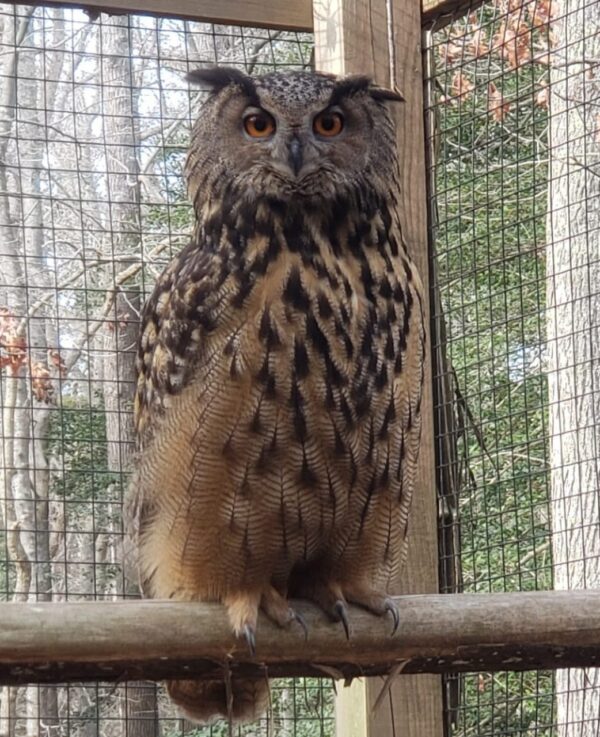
column 120, row 335
column 24, row 478
column 573, row 302
column 140, row 709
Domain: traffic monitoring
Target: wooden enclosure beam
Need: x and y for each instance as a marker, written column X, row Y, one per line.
column 108, row 641
column 276, row 14
column 382, row 38
column 281, row 15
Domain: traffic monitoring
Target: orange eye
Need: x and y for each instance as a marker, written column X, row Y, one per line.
column 328, row 124
column 259, row 125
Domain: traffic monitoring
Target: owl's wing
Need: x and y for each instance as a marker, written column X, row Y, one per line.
column 176, row 322
column 409, row 431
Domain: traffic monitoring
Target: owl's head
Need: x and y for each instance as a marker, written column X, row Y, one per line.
column 290, row 135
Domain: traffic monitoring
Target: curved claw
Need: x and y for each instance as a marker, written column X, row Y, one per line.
column 250, row 638
column 342, row 613
column 301, row 621
column 390, row 606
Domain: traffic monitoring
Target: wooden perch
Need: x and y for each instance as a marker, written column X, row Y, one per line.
column 108, row 641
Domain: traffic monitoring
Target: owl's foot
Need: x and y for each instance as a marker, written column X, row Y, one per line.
column 330, row 598
column 373, row 601
column 277, row 608
column 242, row 609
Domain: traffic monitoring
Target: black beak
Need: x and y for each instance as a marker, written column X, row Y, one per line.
column 295, row 155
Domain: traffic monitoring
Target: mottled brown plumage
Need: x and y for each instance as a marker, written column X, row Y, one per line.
column 280, row 368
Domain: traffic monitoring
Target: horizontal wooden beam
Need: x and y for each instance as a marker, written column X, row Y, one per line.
column 277, row 14
column 107, row 641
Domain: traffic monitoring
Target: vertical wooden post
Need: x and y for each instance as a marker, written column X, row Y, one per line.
column 371, row 37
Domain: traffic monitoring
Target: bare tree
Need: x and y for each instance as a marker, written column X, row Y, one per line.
column 118, row 372
column 573, row 301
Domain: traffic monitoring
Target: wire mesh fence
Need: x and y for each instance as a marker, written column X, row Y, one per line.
column 95, row 115
column 514, row 134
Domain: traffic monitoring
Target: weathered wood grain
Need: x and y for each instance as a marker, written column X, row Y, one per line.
column 60, row 642
column 276, row 14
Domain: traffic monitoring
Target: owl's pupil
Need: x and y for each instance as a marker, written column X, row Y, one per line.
column 260, row 124
column 328, row 123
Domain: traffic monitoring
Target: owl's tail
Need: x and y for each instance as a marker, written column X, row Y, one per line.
column 205, row 702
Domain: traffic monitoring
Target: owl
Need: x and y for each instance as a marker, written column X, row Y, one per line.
column 280, row 368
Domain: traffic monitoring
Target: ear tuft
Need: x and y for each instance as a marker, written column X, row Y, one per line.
column 386, row 95
column 217, row 78
column 348, row 87
column 357, row 83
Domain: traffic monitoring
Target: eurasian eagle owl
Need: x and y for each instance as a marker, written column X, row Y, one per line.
column 280, row 367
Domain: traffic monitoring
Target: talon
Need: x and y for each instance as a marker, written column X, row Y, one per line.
column 250, row 638
column 391, row 607
column 301, row 621
column 342, row 613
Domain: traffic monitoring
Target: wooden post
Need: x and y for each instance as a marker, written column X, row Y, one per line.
column 382, row 38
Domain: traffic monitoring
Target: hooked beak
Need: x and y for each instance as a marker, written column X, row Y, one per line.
column 295, row 155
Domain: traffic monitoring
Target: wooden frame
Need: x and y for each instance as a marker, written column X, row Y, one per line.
column 286, row 15
column 382, row 38
column 60, row 642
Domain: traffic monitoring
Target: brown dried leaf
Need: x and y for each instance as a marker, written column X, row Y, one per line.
column 451, row 51
column 540, row 13
column 41, row 383
column 479, row 45
column 542, row 98
column 56, row 360
column 461, row 85
column 496, row 103
column 513, row 43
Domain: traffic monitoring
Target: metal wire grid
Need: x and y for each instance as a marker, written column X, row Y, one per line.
column 516, row 327
column 95, row 119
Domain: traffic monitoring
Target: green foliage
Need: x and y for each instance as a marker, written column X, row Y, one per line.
column 491, row 177
column 77, row 440
column 91, row 494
